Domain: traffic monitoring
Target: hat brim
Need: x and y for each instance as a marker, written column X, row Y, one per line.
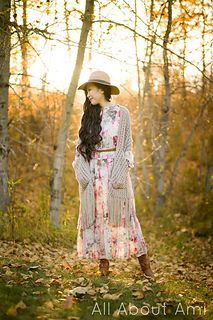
column 114, row 89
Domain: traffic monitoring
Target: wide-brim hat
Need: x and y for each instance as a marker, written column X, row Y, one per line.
column 102, row 78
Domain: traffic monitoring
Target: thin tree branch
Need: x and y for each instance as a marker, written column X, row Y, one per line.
column 158, row 44
column 185, row 145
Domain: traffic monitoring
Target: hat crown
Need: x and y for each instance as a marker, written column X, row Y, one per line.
column 99, row 75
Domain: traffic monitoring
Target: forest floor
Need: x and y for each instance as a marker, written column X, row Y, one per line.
column 39, row 281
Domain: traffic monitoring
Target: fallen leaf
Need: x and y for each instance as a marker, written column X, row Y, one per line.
column 8, row 273
column 82, row 281
column 138, row 294
column 66, row 291
column 21, row 305
column 40, row 280
column 142, row 282
column 116, row 314
column 79, row 291
column 32, row 268
column 37, row 293
column 12, row 311
column 49, row 304
column 55, row 281
column 103, row 289
column 147, row 288
column 91, row 291
column 26, row 276
column 114, row 296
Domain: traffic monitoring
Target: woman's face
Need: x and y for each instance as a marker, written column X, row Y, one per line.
column 94, row 94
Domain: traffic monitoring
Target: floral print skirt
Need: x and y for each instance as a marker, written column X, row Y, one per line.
column 101, row 240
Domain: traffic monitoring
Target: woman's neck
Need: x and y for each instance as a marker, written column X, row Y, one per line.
column 105, row 104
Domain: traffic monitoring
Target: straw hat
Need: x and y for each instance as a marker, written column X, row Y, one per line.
column 100, row 77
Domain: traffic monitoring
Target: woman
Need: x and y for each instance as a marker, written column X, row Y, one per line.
column 107, row 225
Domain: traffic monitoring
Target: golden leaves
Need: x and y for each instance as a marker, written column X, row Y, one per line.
column 12, row 311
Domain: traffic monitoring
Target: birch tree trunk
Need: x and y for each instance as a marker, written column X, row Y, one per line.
column 204, row 92
column 160, row 197
column 183, row 64
column 56, row 179
column 90, row 48
column 4, row 91
column 23, row 40
column 203, row 14
column 24, row 51
column 139, row 154
column 66, row 17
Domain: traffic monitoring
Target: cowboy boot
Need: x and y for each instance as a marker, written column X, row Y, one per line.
column 145, row 266
column 104, row 267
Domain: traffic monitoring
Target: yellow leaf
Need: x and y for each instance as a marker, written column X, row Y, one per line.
column 49, row 304
column 8, row 273
column 147, row 288
column 114, row 296
column 83, row 282
column 12, row 311
column 21, row 305
column 116, row 314
column 138, row 294
column 37, row 293
column 40, row 280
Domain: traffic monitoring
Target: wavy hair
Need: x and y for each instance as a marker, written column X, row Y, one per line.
column 89, row 132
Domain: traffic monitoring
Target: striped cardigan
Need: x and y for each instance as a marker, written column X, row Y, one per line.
column 119, row 196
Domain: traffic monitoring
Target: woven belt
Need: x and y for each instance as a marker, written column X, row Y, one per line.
column 104, row 150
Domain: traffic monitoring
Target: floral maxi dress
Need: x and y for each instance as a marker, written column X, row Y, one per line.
column 102, row 241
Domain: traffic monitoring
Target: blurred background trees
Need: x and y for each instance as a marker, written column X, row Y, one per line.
column 159, row 52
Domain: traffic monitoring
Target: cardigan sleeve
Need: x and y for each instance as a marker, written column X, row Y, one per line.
column 130, row 158
column 81, row 168
column 77, row 154
column 129, row 142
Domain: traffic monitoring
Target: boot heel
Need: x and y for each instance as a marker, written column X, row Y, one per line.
column 145, row 266
column 104, row 267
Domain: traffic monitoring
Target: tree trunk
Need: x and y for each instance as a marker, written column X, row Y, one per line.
column 63, row 131
column 24, row 48
column 139, row 153
column 160, row 197
column 183, row 64
column 4, row 91
column 23, row 39
column 203, row 14
column 90, row 49
column 66, row 17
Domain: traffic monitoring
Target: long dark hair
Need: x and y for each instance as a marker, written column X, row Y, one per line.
column 90, row 129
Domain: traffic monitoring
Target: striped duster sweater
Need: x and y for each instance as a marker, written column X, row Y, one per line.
column 119, row 197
